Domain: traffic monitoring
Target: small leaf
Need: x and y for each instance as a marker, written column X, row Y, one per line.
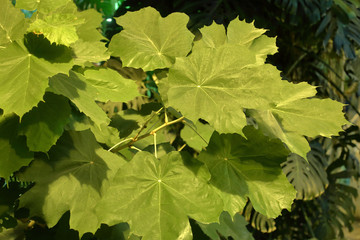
column 78, row 170
column 197, row 135
column 149, row 41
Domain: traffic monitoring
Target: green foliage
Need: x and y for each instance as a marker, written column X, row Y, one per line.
column 132, row 169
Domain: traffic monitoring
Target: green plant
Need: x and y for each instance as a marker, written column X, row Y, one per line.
column 187, row 153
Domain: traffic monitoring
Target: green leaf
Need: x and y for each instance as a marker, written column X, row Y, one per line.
column 149, row 41
column 163, row 192
column 308, row 177
column 12, row 23
column 228, row 227
column 249, row 168
column 88, row 31
column 13, row 150
column 83, row 95
column 44, row 6
column 24, row 75
column 44, row 124
column 78, row 170
column 89, row 52
column 197, row 135
column 203, row 84
column 238, row 33
column 111, row 85
column 57, row 28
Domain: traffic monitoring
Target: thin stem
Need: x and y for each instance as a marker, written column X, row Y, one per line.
column 135, row 148
column 146, row 135
column 146, row 123
column 155, row 148
column 182, row 147
column 110, row 149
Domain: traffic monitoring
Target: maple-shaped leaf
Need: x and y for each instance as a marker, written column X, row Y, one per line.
column 234, row 227
column 57, row 28
column 215, row 85
column 290, row 114
column 44, row 124
column 81, row 93
column 149, row 41
column 162, row 193
column 12, row 23
column 111, row 85
column 238, row 33
column 14, row 153
column 28, row 68
column 249, row 168
column 78, row 170
column 44, row 6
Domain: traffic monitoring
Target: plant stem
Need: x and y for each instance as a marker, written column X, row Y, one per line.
column 138, row 138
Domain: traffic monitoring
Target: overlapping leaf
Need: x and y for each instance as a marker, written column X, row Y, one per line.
column 57, row 28
column 81, row 93
column 13, row 150
column 197, row 135
column 242, row 168
column 79, row 169
column 44, row 124
column 111, row 85
column 228, row 227
column 89, row 52
column 88, row 31
column 29, row 72
column 149, row 41
column 12, row 23
column 163, row 193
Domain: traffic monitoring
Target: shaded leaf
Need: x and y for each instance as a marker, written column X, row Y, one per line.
column 13, row 150
column 81, row 93
column 79, row 169
column 44, row 124
column 228, row 227
column 197, row 135
column 249, row 168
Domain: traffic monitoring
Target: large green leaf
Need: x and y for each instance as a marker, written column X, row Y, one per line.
column 111, row 85
column 88, row 31
column 308, row 177
column 162, row 193
column 149, row 41
column 44, row 124
column 12, row 23
column 81, row 93
column 57, row 28
column 24, row 73
column 249, row 168
column 13, row 150
column 79, row 169
column 215, row 84
column 228, row 227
